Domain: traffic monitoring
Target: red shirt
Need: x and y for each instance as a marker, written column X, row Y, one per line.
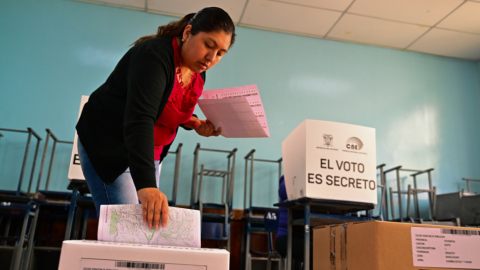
column 179, row 108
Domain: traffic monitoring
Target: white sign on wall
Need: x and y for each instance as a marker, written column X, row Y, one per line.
column 75, row 170
column 333, row 161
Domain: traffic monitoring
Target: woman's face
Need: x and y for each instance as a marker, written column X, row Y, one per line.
column 204, row 50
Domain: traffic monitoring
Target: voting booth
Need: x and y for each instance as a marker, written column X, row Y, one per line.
column 75, row 170
column 332, row 161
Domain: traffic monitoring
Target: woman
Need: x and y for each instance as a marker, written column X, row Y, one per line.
column 129, row 123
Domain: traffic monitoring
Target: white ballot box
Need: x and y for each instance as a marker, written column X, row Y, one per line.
column 84, row 254
column 333, row 161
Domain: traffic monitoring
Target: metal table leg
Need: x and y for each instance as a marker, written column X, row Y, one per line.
column 242, row 249
column 247, row 247
column 71, row 213
column 306, row 240
column 18, row 250
column 31, row 236
column 289, row 239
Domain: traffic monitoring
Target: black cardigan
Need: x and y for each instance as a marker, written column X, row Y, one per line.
column 116, row 124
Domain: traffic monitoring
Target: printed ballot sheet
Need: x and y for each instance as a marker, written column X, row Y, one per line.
column 124, row 223
column 238, row 111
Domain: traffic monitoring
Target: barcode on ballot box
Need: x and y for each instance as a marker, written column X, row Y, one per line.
column 89, row 268
column 460, row 232
column 140, row 265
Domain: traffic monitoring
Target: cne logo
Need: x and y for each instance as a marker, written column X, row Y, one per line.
column 354, row 143
column 328, row 140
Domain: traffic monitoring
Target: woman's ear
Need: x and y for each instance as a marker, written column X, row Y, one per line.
column 187, row 32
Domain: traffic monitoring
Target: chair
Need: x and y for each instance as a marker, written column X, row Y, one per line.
column 54, row 205
column 176, row 174
column 469, row 187
column 411, row 192
column 18, row 206
column 30, row 133
column 252, row 221
column 414, row 193
column 270, row 226
column 214, row 225
column 382, row 203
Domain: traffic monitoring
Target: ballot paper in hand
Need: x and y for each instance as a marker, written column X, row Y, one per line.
column 124, row 223
column 237, row 110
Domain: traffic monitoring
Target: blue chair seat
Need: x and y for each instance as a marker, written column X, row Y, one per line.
column 212, row 230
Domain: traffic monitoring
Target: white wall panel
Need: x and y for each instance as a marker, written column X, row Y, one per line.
column 182, row 7
column 339, row 5
column 466, row 19
column 376, row 31
column 425, row 12
column 449, row 43
column 289, row 18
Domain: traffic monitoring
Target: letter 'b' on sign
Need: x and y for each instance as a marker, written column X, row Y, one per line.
column 75, row 170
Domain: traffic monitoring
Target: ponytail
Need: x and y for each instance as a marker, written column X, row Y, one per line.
column 172, row 29
column 207, row 20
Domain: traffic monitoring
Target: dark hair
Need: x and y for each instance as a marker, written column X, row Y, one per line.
column 210, row 19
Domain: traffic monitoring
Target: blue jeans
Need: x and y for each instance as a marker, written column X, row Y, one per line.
column 122, row 191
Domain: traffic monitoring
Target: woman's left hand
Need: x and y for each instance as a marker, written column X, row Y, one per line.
column 203, row 127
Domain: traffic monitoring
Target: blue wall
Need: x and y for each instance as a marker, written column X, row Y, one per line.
column 425, row 108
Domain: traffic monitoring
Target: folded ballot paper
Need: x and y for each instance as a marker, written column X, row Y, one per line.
column 237, row 110
column 124, row 223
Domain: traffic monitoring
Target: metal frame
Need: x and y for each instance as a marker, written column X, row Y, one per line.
column 79, row 189
column 24, row 242
column 432, row 193
column 30, row 132
column 176, row 174
column 469, row 188
column 399, row 191
column 383, row 210
column 249, row 158
column 22, row 201
column 52, row 156
column 47, row 194
column 228, row 177
column 230, row 173
column 272, row 254
column 317, row 211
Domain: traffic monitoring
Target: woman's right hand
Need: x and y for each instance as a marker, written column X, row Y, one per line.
column 154, row 205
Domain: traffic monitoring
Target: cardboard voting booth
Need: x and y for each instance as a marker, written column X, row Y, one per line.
column 88, row 255
column 328, row 160
column 75, row 170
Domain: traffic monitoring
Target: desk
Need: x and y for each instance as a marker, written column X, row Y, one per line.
column 319, row 212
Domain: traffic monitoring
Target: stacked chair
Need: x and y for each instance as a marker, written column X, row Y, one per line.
column 19, row 213
column 254, row 217
column 57, row 202
column 382, row 201
column 217, row 219
column 411, row 193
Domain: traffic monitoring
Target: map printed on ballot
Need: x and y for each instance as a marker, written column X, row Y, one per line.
column 124, row 223
column 238, row 111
